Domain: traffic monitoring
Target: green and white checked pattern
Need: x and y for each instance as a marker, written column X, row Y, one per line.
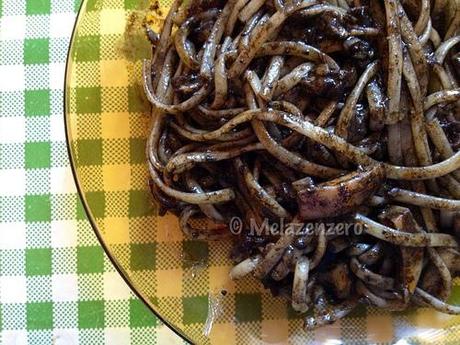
column 108, row 119
column 56, row 284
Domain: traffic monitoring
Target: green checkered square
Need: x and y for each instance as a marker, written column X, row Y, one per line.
column 39, row 315
column 248, row 307
column 77, row 4
column 37, row 103
column 136, row 99
column 38, row 7
column 38, row 155
column 93, row 146
column 38, row 208
column 131, row 4
column 140, row 316
column 195, row 252
column 38, row 261
column 87, row 48
column 90, row 259
column 195, row 309
column 93, row 5
column 36, row 51
column 91, row 314
column 137, row 150
column 96, row 200
column 143, row 256
column 140, row 204
column 88, row 100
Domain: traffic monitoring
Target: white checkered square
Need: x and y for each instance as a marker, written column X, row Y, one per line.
column 65, row 336
column 56, row 75
column 61, row 24
column 16, row 25
column 12, row 235
column 86, row 235
column 13, row 337
column 12, row 156
column 40, row 337
column 152, row 335
column 64, row 233
column 116, row 313
column 15, row 203
column 13, row 289
column 12, row 78
column 12, row 129
column 65, row 287
column 61, row 180
column 59, row 154
column 13, row 182
column 67, row 213
column 57, row 128
column 116, row 336
column 115, row 287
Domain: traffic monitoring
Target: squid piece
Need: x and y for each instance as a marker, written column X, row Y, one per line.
column 339, row 196
column 337, row 312
column 339, row 278
column 299, row 289
column 245, row 267
column 412, row 258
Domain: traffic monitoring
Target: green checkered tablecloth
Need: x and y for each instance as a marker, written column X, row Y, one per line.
column 56, row 284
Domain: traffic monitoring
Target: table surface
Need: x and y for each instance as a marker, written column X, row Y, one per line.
column 56, row 284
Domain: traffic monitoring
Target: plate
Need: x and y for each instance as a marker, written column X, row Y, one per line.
column 107, row 121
